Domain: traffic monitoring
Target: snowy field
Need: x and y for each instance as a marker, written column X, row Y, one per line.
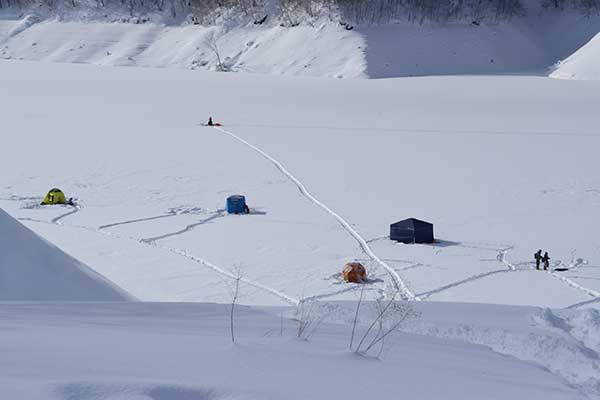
column 501, row 165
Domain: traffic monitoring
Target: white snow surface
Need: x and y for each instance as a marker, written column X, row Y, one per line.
column 33, row 269
column 182, row 352
column 501, row 165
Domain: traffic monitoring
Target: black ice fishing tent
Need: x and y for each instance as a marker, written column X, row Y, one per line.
column 412, row 230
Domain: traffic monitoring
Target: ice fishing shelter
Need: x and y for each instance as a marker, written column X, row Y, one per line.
column 236, row 204
column 55, row 196
column 412, row 230
column 354, row 272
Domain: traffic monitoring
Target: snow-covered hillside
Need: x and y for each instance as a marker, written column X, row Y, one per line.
column 33, row 269
column 583, row 64
column 530, row 44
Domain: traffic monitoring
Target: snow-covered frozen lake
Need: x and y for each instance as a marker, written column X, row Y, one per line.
column 501, row 166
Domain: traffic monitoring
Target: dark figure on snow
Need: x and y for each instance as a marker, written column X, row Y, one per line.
column 546, row 261
column 246, row 209
column 210, row 123
column 538, row 258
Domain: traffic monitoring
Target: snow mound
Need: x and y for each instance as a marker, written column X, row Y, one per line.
column 564, row 342
column 31, row 269
column 584, row 64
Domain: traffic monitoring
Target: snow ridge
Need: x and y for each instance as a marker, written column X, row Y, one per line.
column 398, row 282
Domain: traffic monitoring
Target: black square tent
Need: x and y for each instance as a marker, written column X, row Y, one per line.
column 412, row 230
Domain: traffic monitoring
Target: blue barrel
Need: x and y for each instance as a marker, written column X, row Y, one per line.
column 236, row 204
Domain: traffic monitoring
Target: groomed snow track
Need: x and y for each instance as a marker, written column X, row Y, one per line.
column 398, row 282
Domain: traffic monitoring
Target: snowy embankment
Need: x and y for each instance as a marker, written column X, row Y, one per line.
column 583, row 64
column 325, row 50
column 32, row 269
column 182, row 352
column 524, row 45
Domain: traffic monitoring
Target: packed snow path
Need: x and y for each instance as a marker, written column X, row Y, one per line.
column 398, row 282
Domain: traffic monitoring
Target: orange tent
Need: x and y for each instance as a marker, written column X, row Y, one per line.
column 354, row 272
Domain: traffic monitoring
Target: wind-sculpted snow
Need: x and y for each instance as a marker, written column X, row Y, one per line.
column 175, row 351
column 565, row 344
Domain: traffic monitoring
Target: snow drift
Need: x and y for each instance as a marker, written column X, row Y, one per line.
column 32, row 269
column 182, row 352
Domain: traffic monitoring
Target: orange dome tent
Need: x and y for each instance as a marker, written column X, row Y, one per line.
column 354, row 272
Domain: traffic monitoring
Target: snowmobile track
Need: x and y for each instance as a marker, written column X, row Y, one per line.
column 398, row 282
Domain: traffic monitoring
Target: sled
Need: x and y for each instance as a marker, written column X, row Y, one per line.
column 215, row 124
column 562, row 269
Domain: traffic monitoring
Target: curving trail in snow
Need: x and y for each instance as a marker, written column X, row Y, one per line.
column 218, row 214
column 593, row 293
column 56, row 220
column 398, row 282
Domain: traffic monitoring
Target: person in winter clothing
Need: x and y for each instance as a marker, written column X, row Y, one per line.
column 210, row 122
column 538, row 258
column 546, row 261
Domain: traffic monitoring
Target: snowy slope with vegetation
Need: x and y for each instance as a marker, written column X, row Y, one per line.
column 325, row 39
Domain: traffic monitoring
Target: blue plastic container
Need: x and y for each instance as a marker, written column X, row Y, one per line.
column 236, row 204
